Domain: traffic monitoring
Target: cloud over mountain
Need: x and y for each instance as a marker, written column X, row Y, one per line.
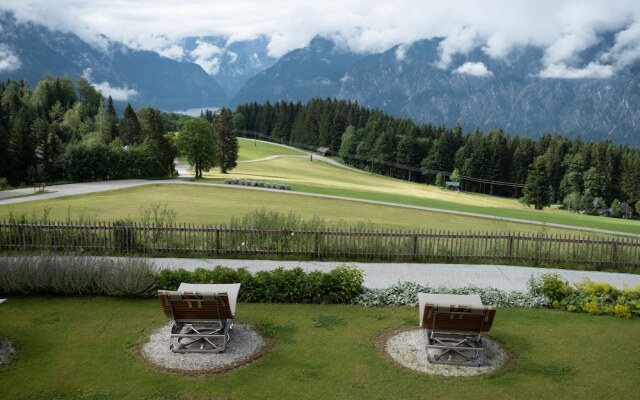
column 563, row 29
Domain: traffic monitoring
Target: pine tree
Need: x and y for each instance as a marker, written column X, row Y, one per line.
column 227, row 140
column 129, row 127
column 536, row 189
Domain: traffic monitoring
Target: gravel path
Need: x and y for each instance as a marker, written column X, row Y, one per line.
column 245, row 346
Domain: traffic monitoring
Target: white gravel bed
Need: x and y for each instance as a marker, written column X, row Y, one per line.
column 409, row 349
column 244, row 346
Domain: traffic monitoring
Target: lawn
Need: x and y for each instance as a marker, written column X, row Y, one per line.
column 255, row 150
column 77, row 348
column 204, row 204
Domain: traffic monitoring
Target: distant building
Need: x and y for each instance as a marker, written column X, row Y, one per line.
column 451, row 185
column 323, row 151
column 627, row 210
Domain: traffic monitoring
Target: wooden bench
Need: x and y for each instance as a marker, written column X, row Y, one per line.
column 454, row 325
column 202, row 320
column 39, row 187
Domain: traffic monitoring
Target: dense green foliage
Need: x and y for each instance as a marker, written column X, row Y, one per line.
column 340, row 285
column 597, row 298
column 489, row 162
column 63, row 130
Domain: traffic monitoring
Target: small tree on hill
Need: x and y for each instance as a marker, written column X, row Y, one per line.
column 198, row 143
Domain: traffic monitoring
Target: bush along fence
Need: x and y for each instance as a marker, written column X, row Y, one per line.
column 122, row 237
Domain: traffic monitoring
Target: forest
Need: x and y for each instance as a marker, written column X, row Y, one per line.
column 63, row 131
column 66, row 131
column 550, row 169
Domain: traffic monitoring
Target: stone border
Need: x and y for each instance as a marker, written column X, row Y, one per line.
column 407, row 348
column 8, row 351
column 245, row 347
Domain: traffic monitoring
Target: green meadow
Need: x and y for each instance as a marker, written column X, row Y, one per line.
column 89, row 348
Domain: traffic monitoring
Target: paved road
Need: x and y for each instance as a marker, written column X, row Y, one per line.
column 382, row 275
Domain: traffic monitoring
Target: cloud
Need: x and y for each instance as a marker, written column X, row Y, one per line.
column 473, row 69
column 208, row 56
column 9, row 62
column 401, row 52
column 116, row 93
column 592, row 70
column 173, row 52
column 562, row 29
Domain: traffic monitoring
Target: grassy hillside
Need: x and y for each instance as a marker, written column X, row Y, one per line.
column 207, row 204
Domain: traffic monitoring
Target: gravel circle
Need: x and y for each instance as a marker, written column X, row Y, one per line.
column 7, row 351
column 245, row 346
column 409, row 349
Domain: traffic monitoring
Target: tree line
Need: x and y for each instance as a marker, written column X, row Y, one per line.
column 67, row 131
column 543, row 171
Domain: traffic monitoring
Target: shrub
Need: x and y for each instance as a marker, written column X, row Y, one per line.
column 340, row 285
column 124, row 235
column 550, row 285
column 77, row 276
column 406, row 293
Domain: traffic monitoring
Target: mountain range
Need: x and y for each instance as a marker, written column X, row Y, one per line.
column 405, row 81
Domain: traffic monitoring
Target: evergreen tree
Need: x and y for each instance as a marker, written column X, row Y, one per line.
column 129, row 127
column 227, row 140
column 112, row 119
column 21, row 148
column 455, row 175
column 536, row 189
column 155, row 132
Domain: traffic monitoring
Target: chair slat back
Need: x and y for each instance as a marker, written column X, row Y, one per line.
column 195, row 305
column 458, row 318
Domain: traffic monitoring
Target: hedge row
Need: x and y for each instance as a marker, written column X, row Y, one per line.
column 340, row 285
column 137, row 277
column 250, row 182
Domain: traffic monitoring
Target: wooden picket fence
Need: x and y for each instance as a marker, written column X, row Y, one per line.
column 188, row 239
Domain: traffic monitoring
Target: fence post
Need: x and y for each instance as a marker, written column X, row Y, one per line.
column 510, row 247
column 614, row 251
column 217, row 240
column 415, row 246
column 315, row 245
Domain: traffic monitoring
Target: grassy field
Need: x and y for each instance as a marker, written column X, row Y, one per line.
column 87, row 348
column 255, row 150
column 199, row 204
column 216, row 205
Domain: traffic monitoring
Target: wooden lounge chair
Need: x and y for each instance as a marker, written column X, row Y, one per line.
column 202, row 319
column 454, row 325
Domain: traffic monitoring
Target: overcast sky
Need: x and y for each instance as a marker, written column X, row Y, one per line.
column 563, row 28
